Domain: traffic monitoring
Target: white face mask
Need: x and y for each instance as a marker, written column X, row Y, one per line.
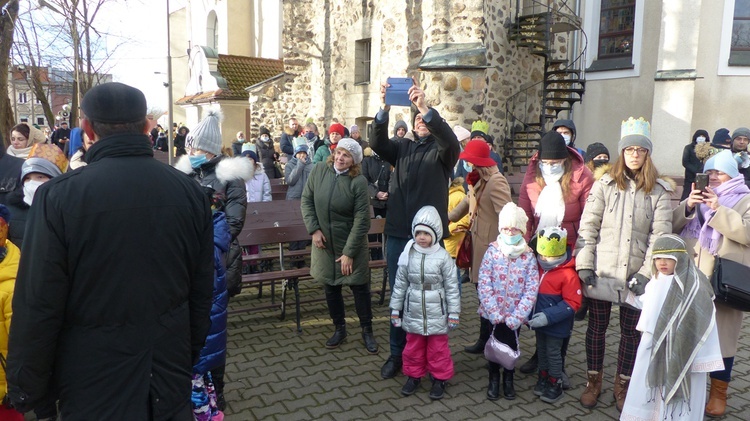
column 551, row 170
column 567, row 139
column 700, row 139
column 29, row 190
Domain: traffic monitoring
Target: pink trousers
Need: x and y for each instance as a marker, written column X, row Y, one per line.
column 424, row 354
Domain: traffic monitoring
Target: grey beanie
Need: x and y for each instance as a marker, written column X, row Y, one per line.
column 400, row 124
column 635, row 140
column 742, row 131
column 207, row 134
column 41, row 166
column 353, row 147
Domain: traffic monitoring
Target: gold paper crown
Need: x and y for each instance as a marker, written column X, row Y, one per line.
column 635, row 127
column 480, row 126
column 552, row 242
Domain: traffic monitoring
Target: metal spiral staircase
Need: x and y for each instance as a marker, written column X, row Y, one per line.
column 553, row 32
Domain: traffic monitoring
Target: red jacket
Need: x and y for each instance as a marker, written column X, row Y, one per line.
column 581, row 183
column 559, row 298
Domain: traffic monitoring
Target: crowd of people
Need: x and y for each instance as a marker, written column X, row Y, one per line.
column 589, row 230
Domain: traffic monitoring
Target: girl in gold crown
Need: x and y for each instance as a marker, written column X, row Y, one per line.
column 627, row 209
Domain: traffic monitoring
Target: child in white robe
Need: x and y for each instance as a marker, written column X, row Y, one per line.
column 679, row 343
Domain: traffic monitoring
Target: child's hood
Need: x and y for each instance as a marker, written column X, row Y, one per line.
column 429, row 216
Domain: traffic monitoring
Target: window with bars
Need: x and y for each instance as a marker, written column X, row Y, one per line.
column 40, row 121
column 616, row 25
column 362, row 61
column 739, row 50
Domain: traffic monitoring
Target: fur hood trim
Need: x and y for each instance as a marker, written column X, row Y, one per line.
column 228, row 168
column 234, row 168
column 367, row 151
column 601, row 170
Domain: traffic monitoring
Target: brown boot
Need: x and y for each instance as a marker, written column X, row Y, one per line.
column 717, row 399
column 593, row 389
column 621, row 390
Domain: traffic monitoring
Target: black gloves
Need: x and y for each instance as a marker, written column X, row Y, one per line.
column 637, row 283
column 588, row 277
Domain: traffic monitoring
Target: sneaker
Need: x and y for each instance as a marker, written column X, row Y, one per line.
column 438, row 389
column 553, row 392
column 541, row 383
column 411, row 386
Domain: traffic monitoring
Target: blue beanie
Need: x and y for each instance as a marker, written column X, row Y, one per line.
column 725, row 162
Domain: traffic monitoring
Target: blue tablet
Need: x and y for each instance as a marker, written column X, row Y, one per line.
column 398, row 92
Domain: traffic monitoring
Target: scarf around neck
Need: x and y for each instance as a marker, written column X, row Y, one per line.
column 550, row 206
column 682, row 327
column 403, row 259
column 512, row 251
column 729, row 193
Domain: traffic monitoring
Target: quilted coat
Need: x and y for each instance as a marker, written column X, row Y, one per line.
column 339, row 206
column 426, row 288
column 618, row 229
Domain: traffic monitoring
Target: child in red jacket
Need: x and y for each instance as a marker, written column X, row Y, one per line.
column 558, row 299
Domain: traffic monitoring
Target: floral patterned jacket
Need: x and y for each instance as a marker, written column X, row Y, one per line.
column 507, row 287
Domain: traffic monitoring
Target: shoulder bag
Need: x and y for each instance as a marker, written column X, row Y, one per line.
column 466, row 249
column 731, row 284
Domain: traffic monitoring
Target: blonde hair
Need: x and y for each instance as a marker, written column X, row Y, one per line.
column 645, row 177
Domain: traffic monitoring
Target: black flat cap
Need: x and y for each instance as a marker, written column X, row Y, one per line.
column 114, row 103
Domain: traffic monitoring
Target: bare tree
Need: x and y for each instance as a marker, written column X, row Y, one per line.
column 7, row 18
column 73, row 43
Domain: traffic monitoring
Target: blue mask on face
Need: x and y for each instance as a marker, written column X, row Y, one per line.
column 511, row 240
column 310, row 135
column 197, row 160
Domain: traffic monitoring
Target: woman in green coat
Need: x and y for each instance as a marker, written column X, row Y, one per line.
column 335, row 208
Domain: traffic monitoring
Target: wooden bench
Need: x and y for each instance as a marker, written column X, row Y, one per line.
column 279, row 237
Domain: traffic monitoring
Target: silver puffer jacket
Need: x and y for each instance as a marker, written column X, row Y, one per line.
column 426, row 288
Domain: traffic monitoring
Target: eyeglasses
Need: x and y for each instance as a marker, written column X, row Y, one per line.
column 510, row 230
column 632, row 150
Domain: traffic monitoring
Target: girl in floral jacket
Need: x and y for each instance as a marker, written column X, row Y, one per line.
column 508, row 285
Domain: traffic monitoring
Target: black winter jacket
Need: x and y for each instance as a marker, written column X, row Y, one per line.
column 10, row 173
column 421, row 171
column 227, row 177
column 18, row 212
column 114, row 289
column 378, row 175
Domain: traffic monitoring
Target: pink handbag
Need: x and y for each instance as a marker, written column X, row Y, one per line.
column 500, row 353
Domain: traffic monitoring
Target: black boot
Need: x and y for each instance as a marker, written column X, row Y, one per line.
column 411, row 386
column 485, row 329
column 438, row 389
column 493, row 390
column 391, row 367
column 509, row 392
column 531, row 365
column 338, row 337
column 370, row 343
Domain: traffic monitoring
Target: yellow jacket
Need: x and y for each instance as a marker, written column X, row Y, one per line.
column 8, row 270
column 455, row 195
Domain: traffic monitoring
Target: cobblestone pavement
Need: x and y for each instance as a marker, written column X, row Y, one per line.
column 274, row 373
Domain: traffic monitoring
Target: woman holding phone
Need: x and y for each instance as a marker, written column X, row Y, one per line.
column 715, row 222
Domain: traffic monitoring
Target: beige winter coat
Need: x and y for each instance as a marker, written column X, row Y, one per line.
column 492, row 192
column 618, row 229
column 734, row 226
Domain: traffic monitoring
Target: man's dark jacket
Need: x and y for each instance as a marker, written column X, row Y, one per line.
column 60, row 134
column 112, row 300
column 421, row 171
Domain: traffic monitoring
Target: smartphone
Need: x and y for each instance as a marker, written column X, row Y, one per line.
column 398, row 91
column 701, row 181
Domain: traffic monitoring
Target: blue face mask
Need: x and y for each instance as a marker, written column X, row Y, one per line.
column 310, row 135
column 467, row 167
column 197, row 160
column 511, row 240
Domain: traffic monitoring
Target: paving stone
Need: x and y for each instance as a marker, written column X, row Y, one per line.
column 273, row 373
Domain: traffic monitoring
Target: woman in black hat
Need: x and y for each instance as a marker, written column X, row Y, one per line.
column 691, row 162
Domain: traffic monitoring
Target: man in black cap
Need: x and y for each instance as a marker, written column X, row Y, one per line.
column 61, row 136
column 114, row 289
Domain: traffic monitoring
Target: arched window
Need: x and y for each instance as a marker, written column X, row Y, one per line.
column 212, row 31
